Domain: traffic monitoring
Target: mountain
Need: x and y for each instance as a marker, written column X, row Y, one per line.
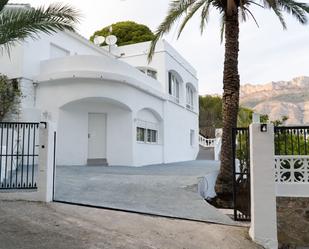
column 290, row 98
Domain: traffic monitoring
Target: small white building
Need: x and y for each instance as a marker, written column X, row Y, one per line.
column 108, row 106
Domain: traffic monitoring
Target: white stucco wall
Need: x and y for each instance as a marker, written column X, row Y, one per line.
column 25, row 58
column 88, row 79
column 109, row 97
column 149, row 153
column 68, row 41
column 165, row 58
column 136, row 55
column 263, row 228
column 73, row 132
column 177, row 125
column 12, row 64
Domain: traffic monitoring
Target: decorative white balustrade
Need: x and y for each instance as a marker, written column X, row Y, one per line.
column 207, row 142
column 211, row 143
column 292, row 169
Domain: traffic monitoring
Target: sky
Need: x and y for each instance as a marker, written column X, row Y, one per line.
column 267, row 53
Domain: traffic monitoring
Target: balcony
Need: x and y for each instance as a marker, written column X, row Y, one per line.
column 100, row 67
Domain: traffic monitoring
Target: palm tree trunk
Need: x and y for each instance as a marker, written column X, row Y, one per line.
column 224, row 184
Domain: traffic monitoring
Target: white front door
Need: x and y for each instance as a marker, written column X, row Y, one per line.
column 96, row 135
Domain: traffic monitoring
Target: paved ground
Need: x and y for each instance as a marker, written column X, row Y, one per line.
column 206, row 154
column 169, row 190
column 26, row 225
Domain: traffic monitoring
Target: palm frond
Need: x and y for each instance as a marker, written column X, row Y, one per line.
column 17, row 24
column 222, row 29
column 253, row 17
column 270, row 3
column 176, row 10
column 2, row 4
column 278, row 13
column 297, row 9
column 191, row 13
column 204, row 15
column 273, row 4
column 257, row 4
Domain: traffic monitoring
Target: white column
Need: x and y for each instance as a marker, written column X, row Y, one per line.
column 46, row 162
column 263, row 228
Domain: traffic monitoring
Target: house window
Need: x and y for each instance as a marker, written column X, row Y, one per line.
column 149, row 72
column 146, row 135
column 152, row 136
column 192, row 135
column 189, row 97
column 152, row 74
column 140, row 134
column 173, row 87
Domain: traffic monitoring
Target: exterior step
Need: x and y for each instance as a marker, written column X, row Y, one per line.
column 97, row 162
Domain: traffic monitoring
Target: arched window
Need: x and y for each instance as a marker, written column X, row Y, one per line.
column 149, row 72
column 148, row 127
column 190, row 93
column 174, row 86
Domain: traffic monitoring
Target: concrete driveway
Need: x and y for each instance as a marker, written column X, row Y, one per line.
column 168, row 190
column 26, row 225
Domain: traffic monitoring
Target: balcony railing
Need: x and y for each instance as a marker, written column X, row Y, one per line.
column 207, row 142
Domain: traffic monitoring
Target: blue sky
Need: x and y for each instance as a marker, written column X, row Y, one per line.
column 266, row 54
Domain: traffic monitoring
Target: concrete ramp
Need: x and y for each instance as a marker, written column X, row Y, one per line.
column 167, row 190
column 205, row 154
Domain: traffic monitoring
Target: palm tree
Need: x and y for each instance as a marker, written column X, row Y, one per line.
column 18, row 23
column 231, row 11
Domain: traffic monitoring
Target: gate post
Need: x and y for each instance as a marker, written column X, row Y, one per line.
column 45, row 162
column 263, row 229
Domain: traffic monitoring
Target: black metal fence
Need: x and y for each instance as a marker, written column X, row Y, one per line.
column 18, row 155
column 291, row 140
column 241, row 170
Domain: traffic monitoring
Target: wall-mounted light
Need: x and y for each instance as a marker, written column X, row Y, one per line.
column 43, row 125
column 263, row 127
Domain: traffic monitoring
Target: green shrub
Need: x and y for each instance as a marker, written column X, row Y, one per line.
column 9, row 97
column 126, row 32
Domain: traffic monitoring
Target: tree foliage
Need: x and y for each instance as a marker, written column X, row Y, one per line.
column 292, row 142
column 9, row 97
column 245, row 114
column 127, row 32
column 211, row 114
column 210, row 111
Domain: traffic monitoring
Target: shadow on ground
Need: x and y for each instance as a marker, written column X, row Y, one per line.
column 29, row 225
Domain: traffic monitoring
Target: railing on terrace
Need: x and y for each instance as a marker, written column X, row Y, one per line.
column 207, row 142
column 292, row 140
column 292, row 159
column 18, row 155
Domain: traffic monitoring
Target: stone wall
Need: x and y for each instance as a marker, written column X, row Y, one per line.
column 293, row 222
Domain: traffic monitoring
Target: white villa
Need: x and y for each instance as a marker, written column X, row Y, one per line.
column 113, row 106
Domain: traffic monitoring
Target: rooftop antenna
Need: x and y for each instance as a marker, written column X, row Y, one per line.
column 110, row 40
column 98, row 40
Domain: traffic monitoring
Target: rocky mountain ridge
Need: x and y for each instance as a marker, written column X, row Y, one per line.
column 290, row 98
